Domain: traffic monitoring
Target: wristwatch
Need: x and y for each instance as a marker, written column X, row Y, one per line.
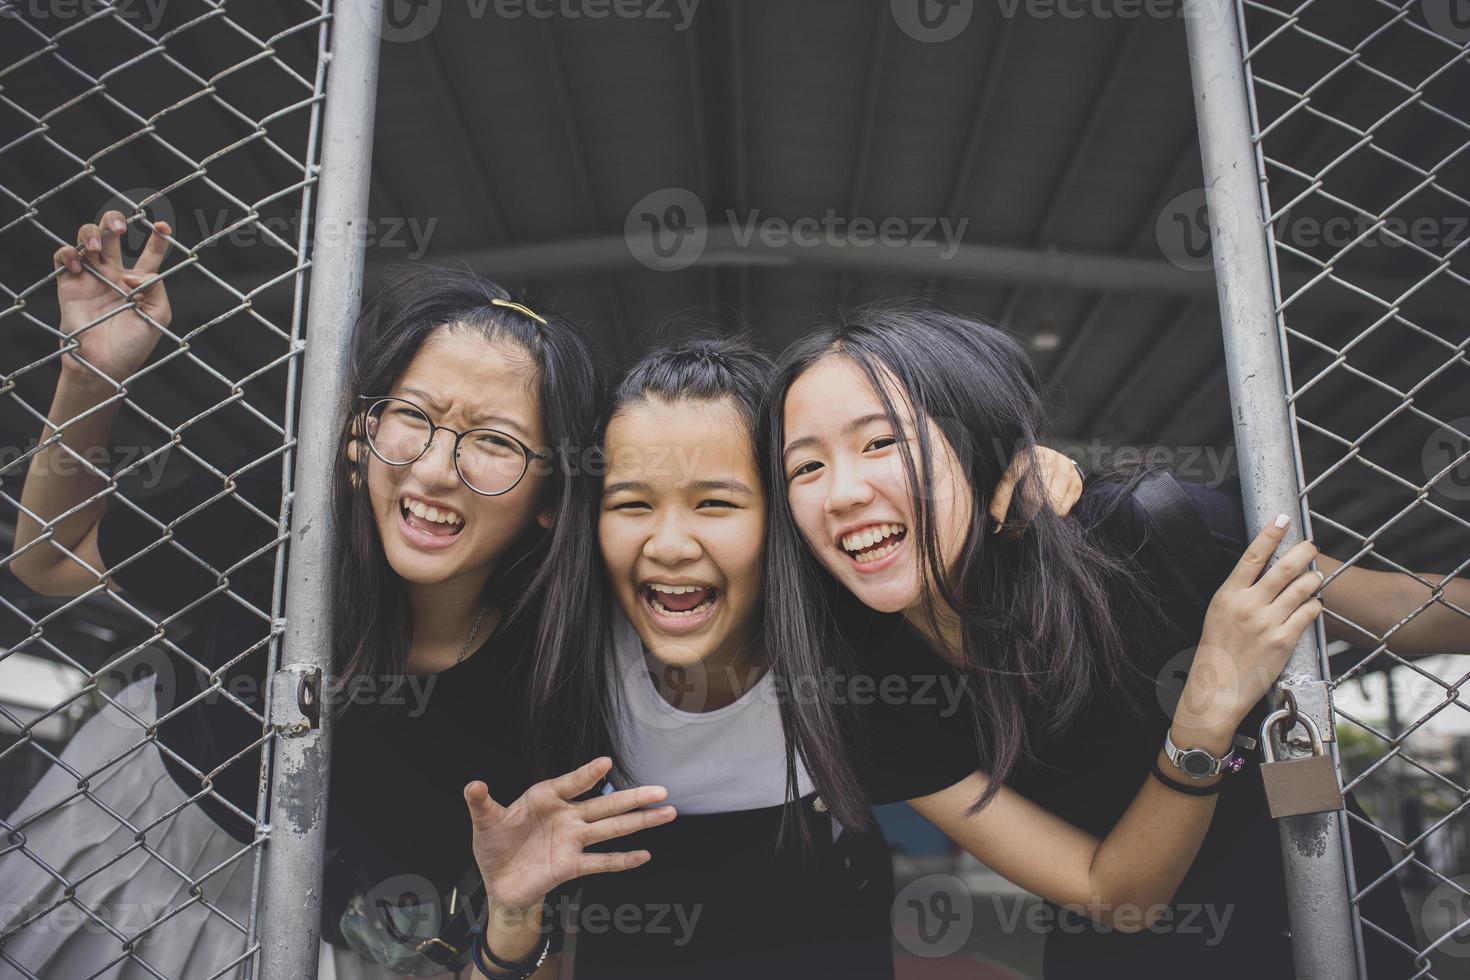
column 1200, row 763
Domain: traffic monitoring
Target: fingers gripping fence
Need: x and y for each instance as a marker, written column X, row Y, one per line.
column 1335, row 139
column 150, row 686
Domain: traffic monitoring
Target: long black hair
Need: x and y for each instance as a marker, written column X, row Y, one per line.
column 1037, row 623
column 374, row 624
column 703, row 368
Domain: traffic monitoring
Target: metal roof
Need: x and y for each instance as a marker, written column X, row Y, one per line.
column 1059, row 152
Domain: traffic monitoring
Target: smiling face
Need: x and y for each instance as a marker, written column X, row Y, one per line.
column 434, row 529
column 849, row 492
column 682, row 526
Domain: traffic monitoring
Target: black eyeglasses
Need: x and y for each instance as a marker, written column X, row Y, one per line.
column 490, row 462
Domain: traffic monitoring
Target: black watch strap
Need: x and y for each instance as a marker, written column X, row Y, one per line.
column 1185, row 788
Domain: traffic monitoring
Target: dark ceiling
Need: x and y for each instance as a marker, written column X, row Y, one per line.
column 1060, row 150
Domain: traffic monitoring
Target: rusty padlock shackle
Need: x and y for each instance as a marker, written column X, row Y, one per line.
column 1268, row 748
column 1288, row 701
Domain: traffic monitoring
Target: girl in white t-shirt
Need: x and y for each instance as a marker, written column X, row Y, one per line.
column 755, row 875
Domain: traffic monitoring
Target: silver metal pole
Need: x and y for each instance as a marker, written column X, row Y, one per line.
column 1312, row 847
column 290, row 924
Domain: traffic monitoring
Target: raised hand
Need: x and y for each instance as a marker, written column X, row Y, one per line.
column 1253, row 624
column 119, row 345
column 538, row 842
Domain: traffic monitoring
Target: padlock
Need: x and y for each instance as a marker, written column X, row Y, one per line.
column 1298, row 786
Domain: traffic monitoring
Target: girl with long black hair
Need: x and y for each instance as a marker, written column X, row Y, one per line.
column 880, row 438
column 459, row 526
column 683, row 692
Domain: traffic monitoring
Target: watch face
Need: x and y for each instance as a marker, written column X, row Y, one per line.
column 1197, row 763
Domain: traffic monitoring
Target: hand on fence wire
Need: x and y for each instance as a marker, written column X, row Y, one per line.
column 540, row 841
column 95, row 280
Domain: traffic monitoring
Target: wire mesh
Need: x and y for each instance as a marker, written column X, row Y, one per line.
column 1359, row 116
column 205, row 117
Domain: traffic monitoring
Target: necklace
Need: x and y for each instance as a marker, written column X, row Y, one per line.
column 474, row 628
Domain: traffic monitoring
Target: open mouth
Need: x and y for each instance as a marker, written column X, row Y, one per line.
column 439, row 522
column 680, row 602
column 874, row 542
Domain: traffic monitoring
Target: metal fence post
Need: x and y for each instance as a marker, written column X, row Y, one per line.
column 1313, row 848
column 290, row 922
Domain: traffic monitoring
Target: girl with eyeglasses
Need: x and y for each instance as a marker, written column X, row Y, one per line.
column 457, row 527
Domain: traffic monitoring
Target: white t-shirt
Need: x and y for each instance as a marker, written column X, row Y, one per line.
column 720, row 761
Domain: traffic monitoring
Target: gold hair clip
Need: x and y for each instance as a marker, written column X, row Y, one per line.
column 518, row 308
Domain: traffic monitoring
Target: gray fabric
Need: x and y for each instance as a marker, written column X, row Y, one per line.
column 732, row 758
column 79, row 837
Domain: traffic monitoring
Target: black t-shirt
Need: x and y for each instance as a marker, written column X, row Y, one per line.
column 1229, row 916
column 400, row 761
column 719, row 900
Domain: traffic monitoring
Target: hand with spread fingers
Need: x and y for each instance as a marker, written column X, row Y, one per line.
column 540, row 841
column 93, row 281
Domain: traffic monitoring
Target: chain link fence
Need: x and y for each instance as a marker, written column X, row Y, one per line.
column 205, row 116
column 1359, row 136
